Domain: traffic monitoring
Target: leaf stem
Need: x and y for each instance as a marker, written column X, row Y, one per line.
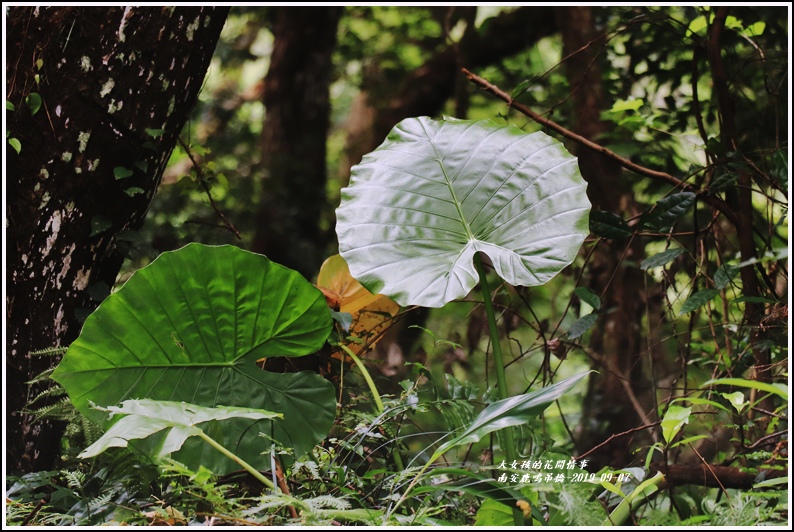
column 367, row 377
column 499, row 367
column 245, row 465
column 398, row 461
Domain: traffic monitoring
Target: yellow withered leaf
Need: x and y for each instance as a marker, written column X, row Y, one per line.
column 372, row 313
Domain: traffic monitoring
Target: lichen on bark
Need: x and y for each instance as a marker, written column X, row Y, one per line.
column 85, row 65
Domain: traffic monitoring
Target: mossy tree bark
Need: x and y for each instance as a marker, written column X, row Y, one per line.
column 115, row 86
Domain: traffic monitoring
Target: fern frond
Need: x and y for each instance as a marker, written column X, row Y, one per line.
column 101, row 500
column 49, row 351
column 55, row 391
column 63, row 410
column 309, row 466
column 327, row 501
column 74, row 479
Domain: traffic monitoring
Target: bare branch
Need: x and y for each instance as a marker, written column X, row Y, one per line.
column 625, row 163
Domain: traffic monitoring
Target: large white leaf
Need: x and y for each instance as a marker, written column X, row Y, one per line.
column 436, row 192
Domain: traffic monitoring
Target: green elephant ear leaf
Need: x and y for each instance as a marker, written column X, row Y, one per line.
column 436, row 192
column 190, row 327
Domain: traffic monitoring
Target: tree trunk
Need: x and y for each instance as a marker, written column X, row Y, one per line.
column 615, row 341
column 294, row 135
column 115, row 86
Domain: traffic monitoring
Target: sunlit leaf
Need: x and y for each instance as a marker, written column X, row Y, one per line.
column 510, row 412
column 626, row 105
column 371, row 313
column 777, row 388
column 696, row 26
column 190, row 327
column 494, row 514
column 674, row 419
column 737, row 400
column 436, row 192
column 144, row 417
column 15, row 144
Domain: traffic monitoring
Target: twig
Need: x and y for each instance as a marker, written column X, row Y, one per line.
column 282, row 484
column 710, row 470
column 614, row 436
column 625, row 163
column 33, row 512
column 203, row 180
column 762, row 441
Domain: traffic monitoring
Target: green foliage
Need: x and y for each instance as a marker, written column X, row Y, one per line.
column 194, row 319
column 414, row 238
column 426, row 457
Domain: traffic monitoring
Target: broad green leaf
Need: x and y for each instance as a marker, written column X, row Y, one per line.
column 34, row 102
column 668, row 210
column 144, row 417
column 10, row 106
column 581, row 325
column 778, row 389
column 608, row 225
column 660, row 259
column 509, row 412
column 753, row 30
column 494, row 514
column 697, row 25
column 436, row 192
column 674, row 419
column 697, row 300
column 154, row 133
column 190, row 327
column 15, row 144
column 724, row 275
column 587, row 295
column 737, row 400
column 626, row 105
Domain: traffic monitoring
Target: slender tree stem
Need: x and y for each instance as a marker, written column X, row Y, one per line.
column 398, row 461
column 245, row 465
column 501, row 379
column 367, row 377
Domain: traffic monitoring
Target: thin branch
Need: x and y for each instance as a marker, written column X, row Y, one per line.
column 625, row 163
column 615, row 436
column 203, row 180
